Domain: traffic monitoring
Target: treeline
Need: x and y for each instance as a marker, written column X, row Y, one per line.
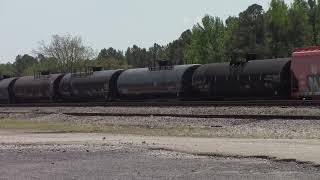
column 270, row 33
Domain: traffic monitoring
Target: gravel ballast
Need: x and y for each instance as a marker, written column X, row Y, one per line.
column 238, row 110
column 214, row 127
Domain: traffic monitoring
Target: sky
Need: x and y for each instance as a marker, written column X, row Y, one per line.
column 105, row 23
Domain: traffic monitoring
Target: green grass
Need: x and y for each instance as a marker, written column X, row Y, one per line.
column 107, row 128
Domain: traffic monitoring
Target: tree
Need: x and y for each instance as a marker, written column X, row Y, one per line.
column 69, row 51
column 24, row 62
column 7, row 69
column 250, row 34
column 111, row 59
column 207, row 41
column 175, row 51
column 156, row 53
column 44, row 64
column 278, row 30
column 232, row 26
column 300, row 31
column 110, row 53
column 138, row 57
column 313, row 16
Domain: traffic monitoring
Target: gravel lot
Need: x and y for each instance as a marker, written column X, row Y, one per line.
column 109, row 162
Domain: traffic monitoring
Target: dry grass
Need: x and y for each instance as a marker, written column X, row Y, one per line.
column 273, row 132
column 107, row 128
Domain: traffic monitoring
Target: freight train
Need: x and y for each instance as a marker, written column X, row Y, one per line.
column 297, row 77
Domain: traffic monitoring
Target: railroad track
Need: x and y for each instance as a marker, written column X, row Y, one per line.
column 172, row 103
column 206, row 116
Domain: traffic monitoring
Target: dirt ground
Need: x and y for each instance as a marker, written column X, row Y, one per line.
column 34, row 155
column 143, row 165
column 278, row 149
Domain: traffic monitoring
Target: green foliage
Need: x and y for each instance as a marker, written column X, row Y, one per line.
column 156, row 53
column 7, row 69
column 110, row 53
column 313, row 17
column 138, row 57
column 232, row 26
column 24, row 62
column 300, row 30
column 175, row 51
column 207, row 41
column 44, row 64
column 250, row 37
column 278, row 29
column 141, row 57
column 110, row 59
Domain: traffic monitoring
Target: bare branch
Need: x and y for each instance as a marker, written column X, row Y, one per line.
column 68, row 50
